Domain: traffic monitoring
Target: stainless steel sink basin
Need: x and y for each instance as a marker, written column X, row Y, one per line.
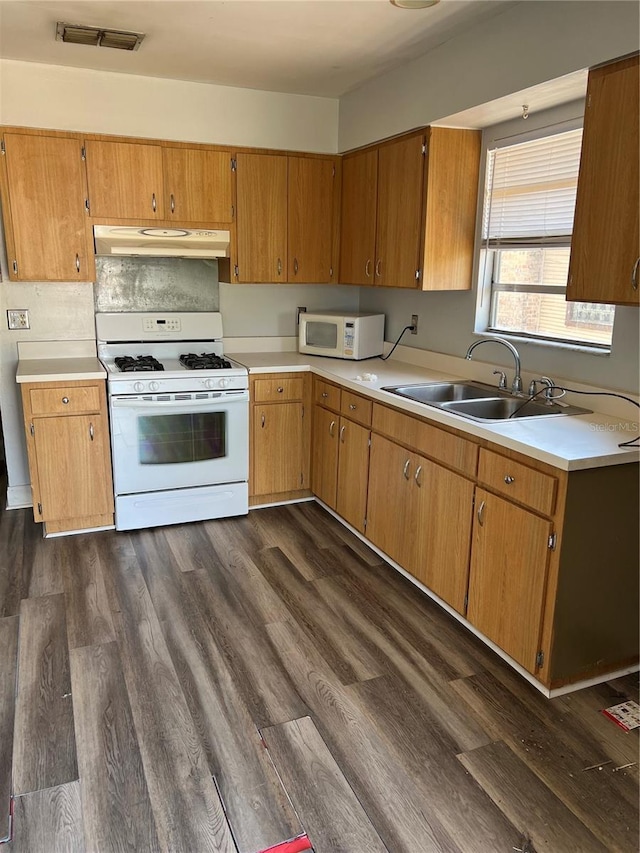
column 444, row 392
column 481, row 402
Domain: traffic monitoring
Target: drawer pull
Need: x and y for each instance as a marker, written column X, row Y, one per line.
column 367, row 268
column 508, row 479
column 405, row 470
column 77, row 262
column 353, row 407
column 324, row 395
column 279, row 267
column 154, row 206
column 332, row 426
column 91, row 432
column 65, row 400
column 417, row 476
column 481, row 513
column 173, row 203
column 280, row 389
column 262, row 421
column 342, row 429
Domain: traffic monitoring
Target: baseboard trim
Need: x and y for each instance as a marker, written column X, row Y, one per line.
column 19, row 497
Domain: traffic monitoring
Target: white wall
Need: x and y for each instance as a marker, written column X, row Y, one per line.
column 52, row 96
column 528, row 43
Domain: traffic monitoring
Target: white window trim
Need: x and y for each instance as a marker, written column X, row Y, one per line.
column 562, row 118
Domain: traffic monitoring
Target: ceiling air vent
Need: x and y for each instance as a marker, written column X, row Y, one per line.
column 98, row 36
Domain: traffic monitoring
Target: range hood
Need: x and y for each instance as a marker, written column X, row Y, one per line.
column 160, row 242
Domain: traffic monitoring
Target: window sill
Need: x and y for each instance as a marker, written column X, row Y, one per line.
column 564, row 346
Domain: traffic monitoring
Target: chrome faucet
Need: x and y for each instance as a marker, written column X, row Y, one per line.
column 516, row 385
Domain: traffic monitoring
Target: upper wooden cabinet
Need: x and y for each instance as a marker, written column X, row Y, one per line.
column 605, row 248
column 138, row 181
column 43, row 202
column 409, row 210
column 125, row 180
column 285, row 221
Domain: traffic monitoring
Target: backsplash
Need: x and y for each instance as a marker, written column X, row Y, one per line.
column 156, row 284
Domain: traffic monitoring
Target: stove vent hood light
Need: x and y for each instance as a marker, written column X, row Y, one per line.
column 98, row 37
column 160, row 242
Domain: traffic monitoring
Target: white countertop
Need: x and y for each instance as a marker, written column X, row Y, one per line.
column 571, row 443
column 59, row 369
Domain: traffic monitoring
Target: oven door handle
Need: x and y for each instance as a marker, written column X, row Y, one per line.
column 128, row 403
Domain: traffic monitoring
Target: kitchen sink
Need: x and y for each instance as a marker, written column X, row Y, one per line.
column 481, row 402
column 444, row 392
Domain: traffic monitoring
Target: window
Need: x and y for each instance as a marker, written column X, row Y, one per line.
column 530, row 195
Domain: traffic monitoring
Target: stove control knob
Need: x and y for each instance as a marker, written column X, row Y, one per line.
column 223, row 383
column 138, row 386
column 209, row 383
column 153, row 386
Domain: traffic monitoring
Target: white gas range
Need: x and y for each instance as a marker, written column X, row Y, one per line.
column 179, row 414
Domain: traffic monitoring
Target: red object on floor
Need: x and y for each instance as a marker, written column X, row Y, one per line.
column 295, row 845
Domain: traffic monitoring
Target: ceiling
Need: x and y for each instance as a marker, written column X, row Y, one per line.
column 309, row 47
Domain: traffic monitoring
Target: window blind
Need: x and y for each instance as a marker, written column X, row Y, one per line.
column 531, row 192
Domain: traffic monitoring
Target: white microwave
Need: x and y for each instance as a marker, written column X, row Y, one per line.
column 340, row 335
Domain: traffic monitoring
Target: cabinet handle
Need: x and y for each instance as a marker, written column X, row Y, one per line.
column 481, row 513
column 634, row 274
column 295, row 266
column 173, row 203
column 405, row 470
column 262, row 421
column 417, row 476
column 279, row 267
column 378, row 265
column 367, row 268
column 331, row 428
column 280, row 389
column 77, row 263
column 91, row 432
column 153, row 202
column 342, row 429
column 324, row 395
column 353, row 407
column 508, row 479
column 65, row 400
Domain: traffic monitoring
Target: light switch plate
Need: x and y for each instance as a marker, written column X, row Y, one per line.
column 18, row 318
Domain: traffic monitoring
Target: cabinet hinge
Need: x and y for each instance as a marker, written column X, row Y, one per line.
column 466, row 602
column 3, row 150
column 589, row 101
column 417, row 275
column 333, row 173
column 301, row 478
column 551, row 544
column 87, row 206
column 424, row 148
column 234, row 164
column 330, row 272
column 83, row 153
column 539, row 659
column 369, row 442
column 570, row 281
column 236, row 270
column 365, row 524
column 233, row 212
column 15, row 267
column 303, row 411
column 32, row 429
column 40, row 509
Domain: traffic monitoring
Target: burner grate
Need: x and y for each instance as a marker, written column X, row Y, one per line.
column 128, row 364
column 204, row 361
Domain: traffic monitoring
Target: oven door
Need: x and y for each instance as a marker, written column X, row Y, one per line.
column 174, row 441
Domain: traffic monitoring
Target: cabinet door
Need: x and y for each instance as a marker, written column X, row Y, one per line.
column 262, row 217
column 72, row 455
column 45, row 209
column 400, row 205
column 278, row 448
column 310, row 219
column 353, row 473
column 392, row 503
column 125, row 180
column 198, row 185
column 605, row 246
column 324, row 464
column 443, row 532
column 509, row 557
column 358, row 218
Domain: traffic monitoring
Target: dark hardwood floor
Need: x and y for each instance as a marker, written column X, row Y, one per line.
column 229, row 685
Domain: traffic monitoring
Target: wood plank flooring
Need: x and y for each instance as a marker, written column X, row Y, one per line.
column 229, row 685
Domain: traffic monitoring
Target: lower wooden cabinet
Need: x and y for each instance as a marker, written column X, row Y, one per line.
column 68, row 446
column 280, row 437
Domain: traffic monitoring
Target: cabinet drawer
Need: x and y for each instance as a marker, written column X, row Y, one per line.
column 519, row 482
column 356, row 408
column 278, row 390
column 326, row 394
column 65, row 401
column 433, row 442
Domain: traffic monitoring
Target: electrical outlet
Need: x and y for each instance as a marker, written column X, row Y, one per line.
column 301, row 310
column 414, row 323
column 18, row 318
